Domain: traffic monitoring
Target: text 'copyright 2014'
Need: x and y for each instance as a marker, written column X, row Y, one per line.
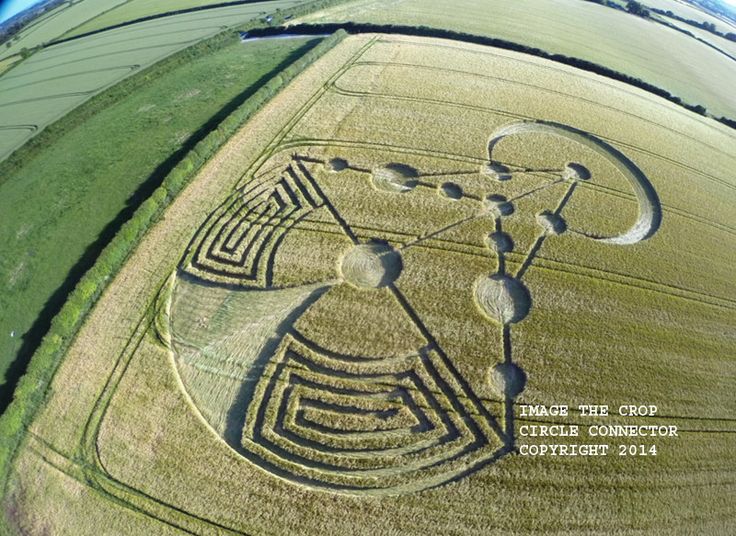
column 596, row 433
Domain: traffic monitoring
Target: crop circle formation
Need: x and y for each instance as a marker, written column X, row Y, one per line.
column 333, row 378
column 371, row 265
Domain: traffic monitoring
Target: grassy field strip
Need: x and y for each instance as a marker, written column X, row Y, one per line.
column 136, row 9
column 73, row 74
column 728, row 46
column 627, row 44
column 105, row 45
column 687, row 11
column 55, row 23
column 99, row 62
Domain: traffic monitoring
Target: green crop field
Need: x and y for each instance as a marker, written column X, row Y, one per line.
column 57, row 79
column 137, row 9
column 47, row 238
column 687, row 11
column 628, row 44
column 52, row 24
column 331, row 329
column 726, row 45
column 7, row 63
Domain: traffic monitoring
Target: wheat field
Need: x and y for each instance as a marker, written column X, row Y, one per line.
column 332, row 328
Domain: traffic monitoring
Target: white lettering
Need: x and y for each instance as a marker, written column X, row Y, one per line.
column 593, row 410
column 637, row 411
column 538, row 410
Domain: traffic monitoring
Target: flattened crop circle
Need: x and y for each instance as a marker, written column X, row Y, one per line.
column 450, row 190
column 509, row 379
column 395, row 178
column 371, row 265
column 500, row 242
column 337, row 165
column 503, row 298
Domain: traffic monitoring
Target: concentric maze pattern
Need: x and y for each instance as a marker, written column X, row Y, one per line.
column 346, row 422
column 367, row 405
column 404, row 423
column 239, row 244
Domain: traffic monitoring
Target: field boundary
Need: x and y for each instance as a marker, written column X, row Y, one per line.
column 33, row 387
column 426, row 31
column 112, row 93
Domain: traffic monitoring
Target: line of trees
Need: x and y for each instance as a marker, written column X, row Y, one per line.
column 608, row 3
column 635, row 8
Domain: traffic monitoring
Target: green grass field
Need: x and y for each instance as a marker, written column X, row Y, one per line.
column 331, row 328
column 55, row 23
column 687, row 11
column 726, row 45
column 628, row 44
column 7, row 63
column 137, row 9
column 49, row 84
column 99, row 171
